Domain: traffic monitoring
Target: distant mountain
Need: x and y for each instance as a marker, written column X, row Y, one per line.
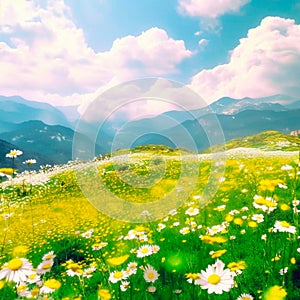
column 5, row 162
column 201, row 133
column 228, row 106
column 45, row 129
column 53, row 141
column 267, row 140
column 14, row 110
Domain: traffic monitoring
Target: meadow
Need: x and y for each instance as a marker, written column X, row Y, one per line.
column 231, row 230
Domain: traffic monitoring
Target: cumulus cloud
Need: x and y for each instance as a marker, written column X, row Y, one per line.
column 210, row 9
column 264, row 63
column 45, row 56
column 141, row 98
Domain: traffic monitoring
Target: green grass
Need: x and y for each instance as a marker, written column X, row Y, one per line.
column 56, row 216
column 268, row 141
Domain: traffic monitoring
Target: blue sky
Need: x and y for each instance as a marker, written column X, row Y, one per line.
column 67, row 52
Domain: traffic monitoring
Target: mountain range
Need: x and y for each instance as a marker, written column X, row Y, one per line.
column 47, row 133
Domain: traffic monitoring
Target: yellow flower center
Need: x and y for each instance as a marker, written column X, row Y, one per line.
column 52, row 284
column 48, row 257
column 32, row 276
column 21, row 288
column 15, row 264
column 284, row 207
column 214, row 279
column 145, row 250
column 285, row 224
column 74, row 268
column 35, row 291
column 246, row 298
column 118, row 275
column 150, row 275
column 46, row 267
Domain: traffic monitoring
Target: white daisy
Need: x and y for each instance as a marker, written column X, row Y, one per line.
column 89, row 272
column 124, row 286
column 192, row 211
column 116, row 276
column 14, row 153
column 245, row 297
column 88, row 234
column 259, row 218
column 185, row 230
column 33, row 278
column 99, row 246
column 17, row 270
column 44, row 267
column 160, row 227
column 173, row 212
column 155, row 248
column 283, row 271
column 49, row 256
column 144, row 250
column 50, row 286
column 215, row 279
column 150, row 274
column 283, row 226
column 132, row 268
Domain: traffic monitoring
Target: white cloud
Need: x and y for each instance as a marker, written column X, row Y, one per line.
column 45, row 56
column 264, row 63
column 141, row 98
column 203, row 43
column 210, row 8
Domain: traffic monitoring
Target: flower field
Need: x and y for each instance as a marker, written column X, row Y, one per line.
column 242, row 244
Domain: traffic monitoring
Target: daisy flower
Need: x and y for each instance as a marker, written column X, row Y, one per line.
column 151, row 289
column 88, row 234
column 74, row 269
column 185, row 230
column 50, row 286
column 144, row 250
column 216, row 279
column 283, row 226
column 160, row 227
column 132, row 268
column 259, row 218
column 88, row 272
column 44, row 267
column 99, row 246
column 192, row 211
column 23, row 291
column 29, row 162
column 14, row 153
column 173, row 212
column 116, row 276
column 33, row 278
column 150, row 274
column 124, row 286
column 49, row 256
column 215, row 229
column 192, row 277
column 155, row 248
column 245, row 297
column 17, row 270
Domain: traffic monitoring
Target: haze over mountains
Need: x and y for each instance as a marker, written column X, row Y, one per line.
column 46, row 133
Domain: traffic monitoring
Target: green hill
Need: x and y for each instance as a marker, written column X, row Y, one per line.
column 267, row 140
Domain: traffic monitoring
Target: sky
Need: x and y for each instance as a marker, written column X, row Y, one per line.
column 66, row 52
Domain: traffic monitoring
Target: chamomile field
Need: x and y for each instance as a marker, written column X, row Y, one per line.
column 220, row 227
